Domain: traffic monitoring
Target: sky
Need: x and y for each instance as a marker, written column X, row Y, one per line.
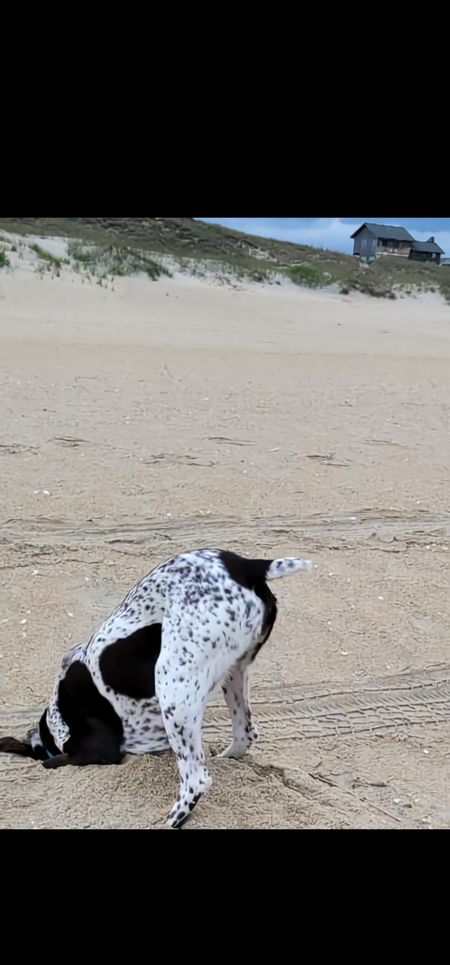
column 334, row 233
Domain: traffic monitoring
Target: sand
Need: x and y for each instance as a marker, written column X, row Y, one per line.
column 147, row 418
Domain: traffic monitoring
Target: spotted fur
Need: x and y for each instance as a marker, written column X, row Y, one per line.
column 141, row 683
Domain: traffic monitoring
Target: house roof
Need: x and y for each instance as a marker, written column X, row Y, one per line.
column 427, row 246
column 385, row 232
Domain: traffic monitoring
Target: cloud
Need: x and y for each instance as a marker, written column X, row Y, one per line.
column 329, row 233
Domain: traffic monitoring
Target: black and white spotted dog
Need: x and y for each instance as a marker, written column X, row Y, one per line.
column 141, row 683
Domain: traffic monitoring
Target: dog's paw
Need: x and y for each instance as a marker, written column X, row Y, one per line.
column 235, row 751
column 177, row 817
column 61, row 760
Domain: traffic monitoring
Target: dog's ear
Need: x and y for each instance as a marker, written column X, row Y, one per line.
column 9, row 745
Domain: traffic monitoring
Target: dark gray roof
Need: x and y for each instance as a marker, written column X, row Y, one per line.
column 427, row 246
column 386, row 232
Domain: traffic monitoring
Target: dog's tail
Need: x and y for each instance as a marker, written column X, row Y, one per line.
column 287, row 566
column 9, row 745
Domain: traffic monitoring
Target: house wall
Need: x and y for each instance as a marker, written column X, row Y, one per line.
column 365, row 244
column 424, row 256
column 394, row 247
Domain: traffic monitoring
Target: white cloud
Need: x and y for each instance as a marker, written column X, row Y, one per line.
column 322, row 232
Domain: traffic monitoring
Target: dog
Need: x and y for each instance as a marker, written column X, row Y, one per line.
column 141, row 683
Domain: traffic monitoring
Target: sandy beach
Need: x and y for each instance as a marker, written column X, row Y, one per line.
column 139, row 419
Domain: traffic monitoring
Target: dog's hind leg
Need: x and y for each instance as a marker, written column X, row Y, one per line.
column 236, row 690
column 184, row 731
column 182, row 684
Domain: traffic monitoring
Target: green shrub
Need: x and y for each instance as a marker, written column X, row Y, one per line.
column 308, row 276
column 4, row 260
